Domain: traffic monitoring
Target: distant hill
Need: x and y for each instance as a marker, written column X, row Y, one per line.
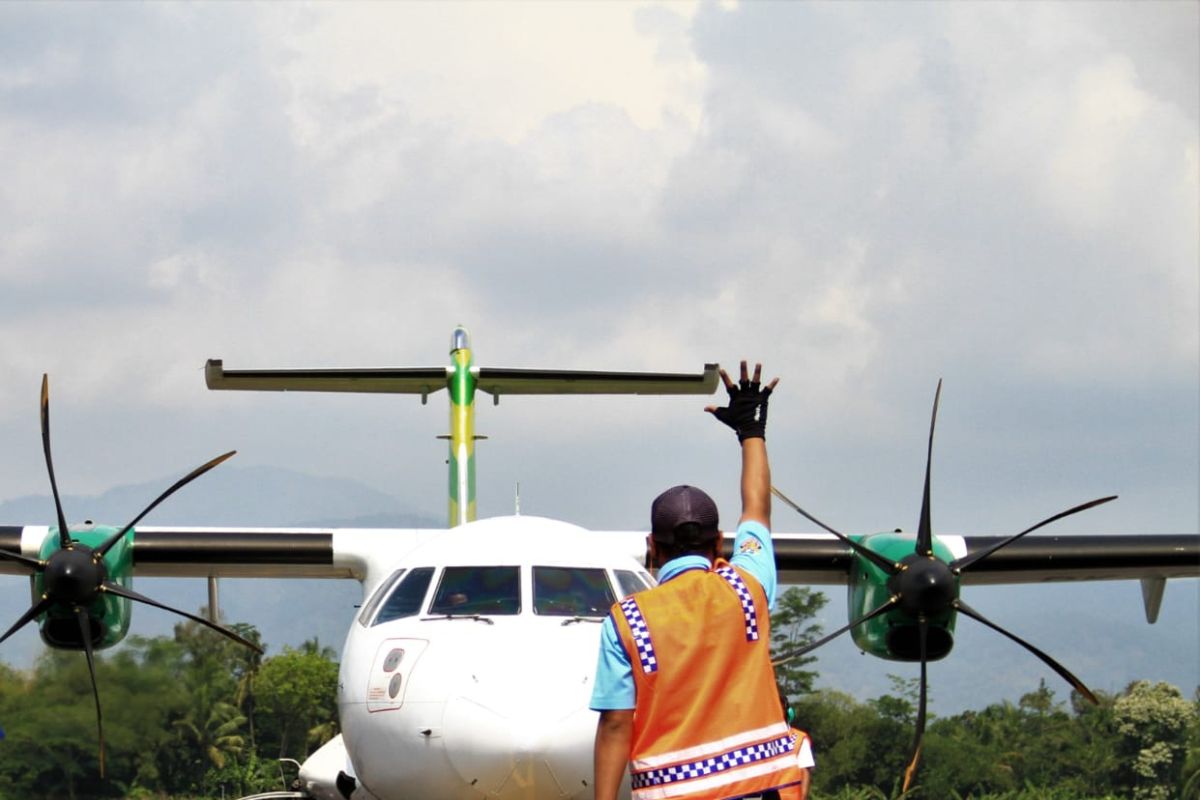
column 286, row 611
column 1096, row 630
column 229, row 495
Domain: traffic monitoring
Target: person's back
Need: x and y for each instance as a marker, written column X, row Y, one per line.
column 684, row 683
column 703, row 638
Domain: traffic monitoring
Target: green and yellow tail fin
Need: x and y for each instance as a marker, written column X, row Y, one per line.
column 462, row 378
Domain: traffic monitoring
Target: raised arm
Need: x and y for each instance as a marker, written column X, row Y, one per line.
column 756, row 483
column 747, row 415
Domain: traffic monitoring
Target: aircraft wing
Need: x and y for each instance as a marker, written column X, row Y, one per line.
column 807, row 559
column 201, row 552
column 803, row 558
column 822, row 559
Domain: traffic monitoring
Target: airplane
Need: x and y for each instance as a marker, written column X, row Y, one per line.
column 467, row 671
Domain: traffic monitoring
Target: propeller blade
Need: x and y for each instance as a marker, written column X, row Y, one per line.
column 85, row 631
column 889, row 603
column 117, row 589
column 924, row 528
column 890, row 567
column 963, row 563
column 32, row 563
column 1076, row 684
column 911, row 770
column 179, row 484
column 36, row 609
column 64, row 536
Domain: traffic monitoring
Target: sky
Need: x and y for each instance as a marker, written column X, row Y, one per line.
column 864, row 197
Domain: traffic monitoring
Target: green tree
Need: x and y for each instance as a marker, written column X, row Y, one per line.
column 248, row 775
column 1190, row 783
column 213, row 728
column 210, row 729
column 855, row 746
column 141, row 691
column 792, row 627
column 1153, row 722
column 51, row 748
column 313, row 647
column 901, row 706
column 296, row 692
column 244, row 664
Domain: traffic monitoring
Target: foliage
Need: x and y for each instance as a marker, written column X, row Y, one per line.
column 177, row 716
column 1039, row 748
column 296, row 694
column 792, row 627
column 194, row 715
column 1153, row 722
column 1190, row 784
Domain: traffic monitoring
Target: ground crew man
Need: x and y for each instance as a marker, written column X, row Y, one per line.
column 684, row 685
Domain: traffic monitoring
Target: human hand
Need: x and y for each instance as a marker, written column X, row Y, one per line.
column 747, row 409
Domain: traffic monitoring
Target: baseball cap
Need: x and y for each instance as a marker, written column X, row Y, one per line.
column 681, row 505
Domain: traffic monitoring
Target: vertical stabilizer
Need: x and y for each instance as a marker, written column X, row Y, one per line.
column 462, row 429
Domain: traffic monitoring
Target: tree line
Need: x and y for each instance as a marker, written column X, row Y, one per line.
column 1142, row 743
column 197, row 716
column 189, row 716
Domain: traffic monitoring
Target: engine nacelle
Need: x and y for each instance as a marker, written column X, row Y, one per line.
column 894, row 635
column 109, row 614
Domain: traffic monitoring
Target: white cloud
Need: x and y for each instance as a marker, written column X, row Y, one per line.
column 495, row 70
column 865, row 196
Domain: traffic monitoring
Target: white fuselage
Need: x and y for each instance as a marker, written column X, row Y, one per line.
column 492, row 701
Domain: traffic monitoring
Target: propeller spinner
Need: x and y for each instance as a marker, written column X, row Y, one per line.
column 75, row 576
column 924, row 587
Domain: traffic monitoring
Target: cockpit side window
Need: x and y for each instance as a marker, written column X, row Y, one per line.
column 364, row 618
column 405, row 600
column 478, row 590
column 571, row 592
column 629, row 582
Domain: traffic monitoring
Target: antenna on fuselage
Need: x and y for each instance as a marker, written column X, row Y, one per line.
column 517, row 499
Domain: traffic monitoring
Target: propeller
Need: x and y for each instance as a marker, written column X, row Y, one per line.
column 75, row 576
column 924, row 587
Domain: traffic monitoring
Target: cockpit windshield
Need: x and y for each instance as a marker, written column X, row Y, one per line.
column 405, row 600
column 578, row 593
column 478, row 590
column 630, row 582
column 571, row 592
column 368, row 610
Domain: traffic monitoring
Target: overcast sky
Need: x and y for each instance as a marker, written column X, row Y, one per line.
column 866, row 197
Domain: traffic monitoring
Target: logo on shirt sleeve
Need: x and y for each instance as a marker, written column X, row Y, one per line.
column 749, row 545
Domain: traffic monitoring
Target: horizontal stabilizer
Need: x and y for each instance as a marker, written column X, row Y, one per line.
column 498, row 381
column 412, row 380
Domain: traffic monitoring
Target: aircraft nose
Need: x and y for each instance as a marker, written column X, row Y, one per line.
column 522, row 737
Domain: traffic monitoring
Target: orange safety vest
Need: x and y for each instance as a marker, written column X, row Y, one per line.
column 794, row 792
column 707, row 723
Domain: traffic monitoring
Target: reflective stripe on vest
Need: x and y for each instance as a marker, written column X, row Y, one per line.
column 641, row 635
column 747, row 600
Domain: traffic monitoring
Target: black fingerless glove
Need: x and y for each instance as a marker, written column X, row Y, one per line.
column 747, row 410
